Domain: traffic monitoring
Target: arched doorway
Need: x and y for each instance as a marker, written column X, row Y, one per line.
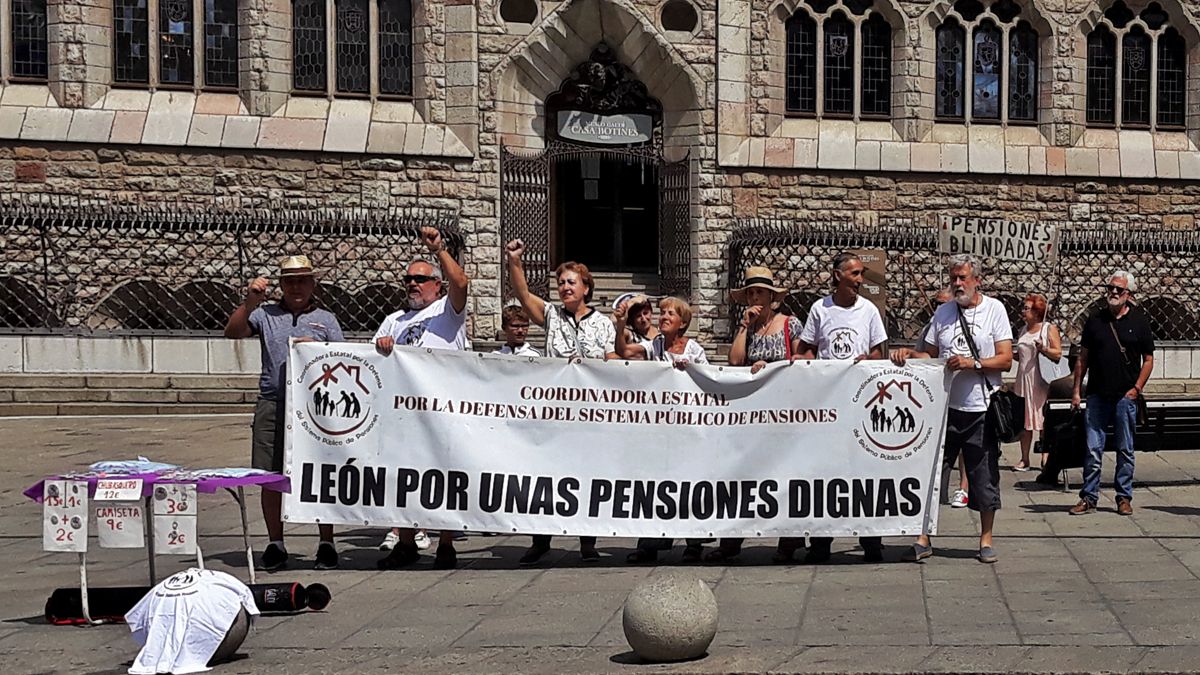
column 600, row 191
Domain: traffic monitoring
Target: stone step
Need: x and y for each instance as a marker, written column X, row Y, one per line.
column 152, row 396
column 109, row 381
column 117, row 409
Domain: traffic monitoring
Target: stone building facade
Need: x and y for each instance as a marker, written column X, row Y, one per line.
column 764, row 103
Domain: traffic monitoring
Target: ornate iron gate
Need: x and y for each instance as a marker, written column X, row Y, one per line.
column 525, row 208
column 525, row 214
column 674, row 228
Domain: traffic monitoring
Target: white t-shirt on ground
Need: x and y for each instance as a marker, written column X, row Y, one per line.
column 436, row 326
column 180, row 623
column 843, row 332
column 989, row 324
column 692, row 352
column 523, row 350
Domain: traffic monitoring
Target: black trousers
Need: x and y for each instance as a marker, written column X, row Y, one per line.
column 543, row 541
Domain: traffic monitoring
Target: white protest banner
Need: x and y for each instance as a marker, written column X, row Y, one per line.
column 998, row 238
column 120, row 525
column 485, row 442
column 65, row 516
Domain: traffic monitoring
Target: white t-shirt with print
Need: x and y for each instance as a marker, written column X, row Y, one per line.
column 436, row 326
column 843, row 332
column 692, row 352
column 593, row 337
column 181, row 621
column 989, row 324
column 525, row 349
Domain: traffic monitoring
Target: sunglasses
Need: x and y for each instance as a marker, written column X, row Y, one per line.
column 419, row 278
column 1109, row 288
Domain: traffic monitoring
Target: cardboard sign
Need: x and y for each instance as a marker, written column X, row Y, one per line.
column 118, row 490
column 874, row 287
column 65, row 516
column 175, row 535
column 120, row 525
column 175, row 500
column 998, row 238
column 175, row 519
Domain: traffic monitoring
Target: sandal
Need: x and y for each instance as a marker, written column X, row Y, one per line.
column 1021, row 466
column 722, row 555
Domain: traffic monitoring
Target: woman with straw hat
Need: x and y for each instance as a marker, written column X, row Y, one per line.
column 764, row 336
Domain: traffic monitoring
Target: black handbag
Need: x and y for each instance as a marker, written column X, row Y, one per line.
column 1006, row 410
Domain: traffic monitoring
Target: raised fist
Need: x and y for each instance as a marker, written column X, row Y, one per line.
column 513, row 250
column 256, row 292
column 432, row 238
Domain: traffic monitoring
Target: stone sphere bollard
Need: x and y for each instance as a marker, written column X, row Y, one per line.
column 234, row 638
column 670, row 617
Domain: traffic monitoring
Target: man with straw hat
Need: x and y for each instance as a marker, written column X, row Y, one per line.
column 296, row 317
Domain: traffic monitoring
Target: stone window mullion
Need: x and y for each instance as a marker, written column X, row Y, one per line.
column 1154, row 81
column 857, row 78
column 1005, row 71
column 6, row 48
column 152, row 42
column 198, row 42
column 331, row 49
column 373, row 45
column 968, row 92
column 820, row 76
column 1119, row 84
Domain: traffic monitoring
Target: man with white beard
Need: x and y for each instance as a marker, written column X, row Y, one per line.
column 435, row 321
column 982, row 320
column 1118, row 352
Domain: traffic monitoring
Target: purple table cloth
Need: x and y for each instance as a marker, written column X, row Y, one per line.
column 270, row 481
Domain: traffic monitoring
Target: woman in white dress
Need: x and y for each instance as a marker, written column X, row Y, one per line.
column 1038, row 338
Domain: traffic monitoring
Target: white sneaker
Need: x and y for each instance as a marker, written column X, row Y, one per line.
column 389, row 542
column 422, row 540
column 959, row 500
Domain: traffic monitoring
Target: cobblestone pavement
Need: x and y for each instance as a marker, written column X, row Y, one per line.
column 1070, row 594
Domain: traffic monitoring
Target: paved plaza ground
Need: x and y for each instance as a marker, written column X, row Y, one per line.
column 1070, row 594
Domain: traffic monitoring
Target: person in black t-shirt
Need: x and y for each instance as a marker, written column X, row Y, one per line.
column 1118, row 354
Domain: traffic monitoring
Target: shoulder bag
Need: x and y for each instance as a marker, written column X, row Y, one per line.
column 1143, row 414
column 1048, row 368
column 1006, row 410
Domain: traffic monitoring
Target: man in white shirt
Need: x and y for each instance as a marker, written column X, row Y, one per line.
column 842, row 326
column 967, row 429
column 435, row 321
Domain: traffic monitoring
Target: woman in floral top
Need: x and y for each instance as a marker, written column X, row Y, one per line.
column 764, row 336
column 573, row 330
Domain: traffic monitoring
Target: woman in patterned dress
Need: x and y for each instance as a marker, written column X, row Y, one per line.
column 573, row 330
column 764, row 336
column 1038, row 338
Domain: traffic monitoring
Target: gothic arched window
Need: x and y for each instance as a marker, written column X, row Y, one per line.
column 29, row 51
column 172, row 62
column 1143, row 83
column 1003, row 55
column 360, row 65
column 824, row 80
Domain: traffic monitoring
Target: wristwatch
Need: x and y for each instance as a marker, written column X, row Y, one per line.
column 978, row 365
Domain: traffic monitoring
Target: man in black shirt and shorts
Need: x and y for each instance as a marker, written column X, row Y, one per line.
column 1118, row 354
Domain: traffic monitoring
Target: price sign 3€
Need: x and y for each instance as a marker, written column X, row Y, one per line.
column 65, row 516
column 175, row 519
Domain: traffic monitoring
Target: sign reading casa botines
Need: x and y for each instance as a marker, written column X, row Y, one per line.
column 620, row 129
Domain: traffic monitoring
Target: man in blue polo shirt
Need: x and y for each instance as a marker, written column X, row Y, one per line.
column 294, row 316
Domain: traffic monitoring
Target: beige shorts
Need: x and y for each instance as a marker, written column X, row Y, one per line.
column 266, row 437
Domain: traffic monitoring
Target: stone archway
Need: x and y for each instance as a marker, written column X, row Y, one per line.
column 566, row 37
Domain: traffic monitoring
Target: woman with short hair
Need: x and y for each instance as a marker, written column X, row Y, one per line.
column 671, row 345
column 573, row 330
